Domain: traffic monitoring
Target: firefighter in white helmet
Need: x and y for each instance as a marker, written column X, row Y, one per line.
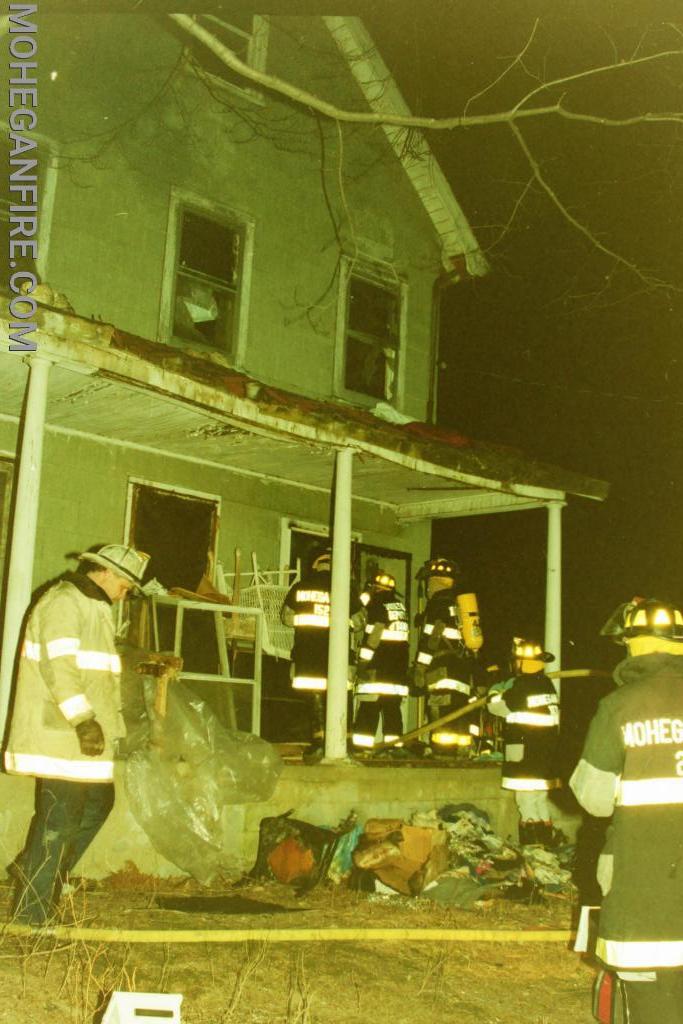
column 65, row 719
column 527, row 702
column 631, row 767
column 446, row 666
column 381, row 681
column 307, row 608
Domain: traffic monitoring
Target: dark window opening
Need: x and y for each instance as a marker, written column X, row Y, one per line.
column 177, row 531
column 207, row 278
column 372, row 338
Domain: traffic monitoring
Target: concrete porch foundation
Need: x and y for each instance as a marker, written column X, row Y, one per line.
column 320, row 794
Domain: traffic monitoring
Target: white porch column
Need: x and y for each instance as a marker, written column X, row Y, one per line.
column 338, row 663
column 553, row 588
column 22, row 542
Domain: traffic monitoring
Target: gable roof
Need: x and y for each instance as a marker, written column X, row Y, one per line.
column 460, row 250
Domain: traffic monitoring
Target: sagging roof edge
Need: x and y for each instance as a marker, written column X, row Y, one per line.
column 69, row 339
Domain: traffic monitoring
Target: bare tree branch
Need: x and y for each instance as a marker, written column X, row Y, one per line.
column 649, row 280
column 515, row 209
column 518, row 59
column 631, row 62
column 516, row 113
column 512, row 116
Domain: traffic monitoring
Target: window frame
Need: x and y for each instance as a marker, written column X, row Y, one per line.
column 288, row 524
column 180, row 202
column 257, row 55
column 382, row 276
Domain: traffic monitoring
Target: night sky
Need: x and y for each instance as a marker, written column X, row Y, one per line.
column 561, row 351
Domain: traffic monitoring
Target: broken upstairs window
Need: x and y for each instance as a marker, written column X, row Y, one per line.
column 372, row 338
column 245, row 35
column 207, row 278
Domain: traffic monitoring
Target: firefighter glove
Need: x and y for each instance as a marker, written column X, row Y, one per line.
column 90, row 737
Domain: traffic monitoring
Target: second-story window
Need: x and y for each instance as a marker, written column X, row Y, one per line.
column 209, row 259
column 245, row 35
column 372, row 337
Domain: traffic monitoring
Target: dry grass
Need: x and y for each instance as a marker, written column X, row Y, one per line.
column 323, row 983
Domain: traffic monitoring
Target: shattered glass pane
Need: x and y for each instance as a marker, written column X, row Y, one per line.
column 206, row 282
column 366, row 368
column 203, row 312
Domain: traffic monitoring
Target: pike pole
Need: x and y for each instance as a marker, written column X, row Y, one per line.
column 570, row 673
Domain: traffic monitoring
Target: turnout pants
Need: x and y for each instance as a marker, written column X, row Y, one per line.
column 67, row 817
column 655, row 1002
column 368, row 715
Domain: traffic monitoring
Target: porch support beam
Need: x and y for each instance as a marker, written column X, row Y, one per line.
column 553, row 587
column 338, row 663
column 25, row 523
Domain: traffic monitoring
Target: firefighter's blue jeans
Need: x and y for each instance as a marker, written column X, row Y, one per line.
column 67, row 817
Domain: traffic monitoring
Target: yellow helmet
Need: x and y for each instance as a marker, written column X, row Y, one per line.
column 653, row 618
column 529, row 650
column 383, row 581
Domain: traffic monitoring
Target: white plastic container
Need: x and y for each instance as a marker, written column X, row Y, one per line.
column 143, row 1008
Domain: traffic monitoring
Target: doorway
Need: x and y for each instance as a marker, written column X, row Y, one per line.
column 178, row 529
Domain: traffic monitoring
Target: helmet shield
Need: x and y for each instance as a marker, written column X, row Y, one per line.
column 614, row 626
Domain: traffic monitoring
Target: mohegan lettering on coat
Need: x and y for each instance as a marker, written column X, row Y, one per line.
column 653, row 731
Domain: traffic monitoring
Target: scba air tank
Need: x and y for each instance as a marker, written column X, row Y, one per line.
column 468, row 610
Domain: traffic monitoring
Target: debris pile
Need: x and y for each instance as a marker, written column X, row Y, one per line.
column 451, row 856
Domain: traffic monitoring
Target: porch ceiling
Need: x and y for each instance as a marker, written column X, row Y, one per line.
column 90, row 405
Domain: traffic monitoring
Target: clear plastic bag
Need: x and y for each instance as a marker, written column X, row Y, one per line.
column 190, row 770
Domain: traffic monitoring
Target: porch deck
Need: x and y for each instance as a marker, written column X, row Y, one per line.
column 323, row 794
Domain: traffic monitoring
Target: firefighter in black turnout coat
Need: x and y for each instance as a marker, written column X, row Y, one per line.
column 446, row 666
column 527, row 702
column 307, row 608
column 632, row 767
column 381, row 682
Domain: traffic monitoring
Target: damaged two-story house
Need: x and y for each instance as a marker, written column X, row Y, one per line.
column 236, row 330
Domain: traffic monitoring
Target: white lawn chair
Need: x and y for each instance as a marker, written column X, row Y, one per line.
column 265, row 590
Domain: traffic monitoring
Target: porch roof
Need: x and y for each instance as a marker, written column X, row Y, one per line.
column 112, row 386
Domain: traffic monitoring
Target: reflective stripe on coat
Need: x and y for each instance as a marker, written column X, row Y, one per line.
column 69, row 670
